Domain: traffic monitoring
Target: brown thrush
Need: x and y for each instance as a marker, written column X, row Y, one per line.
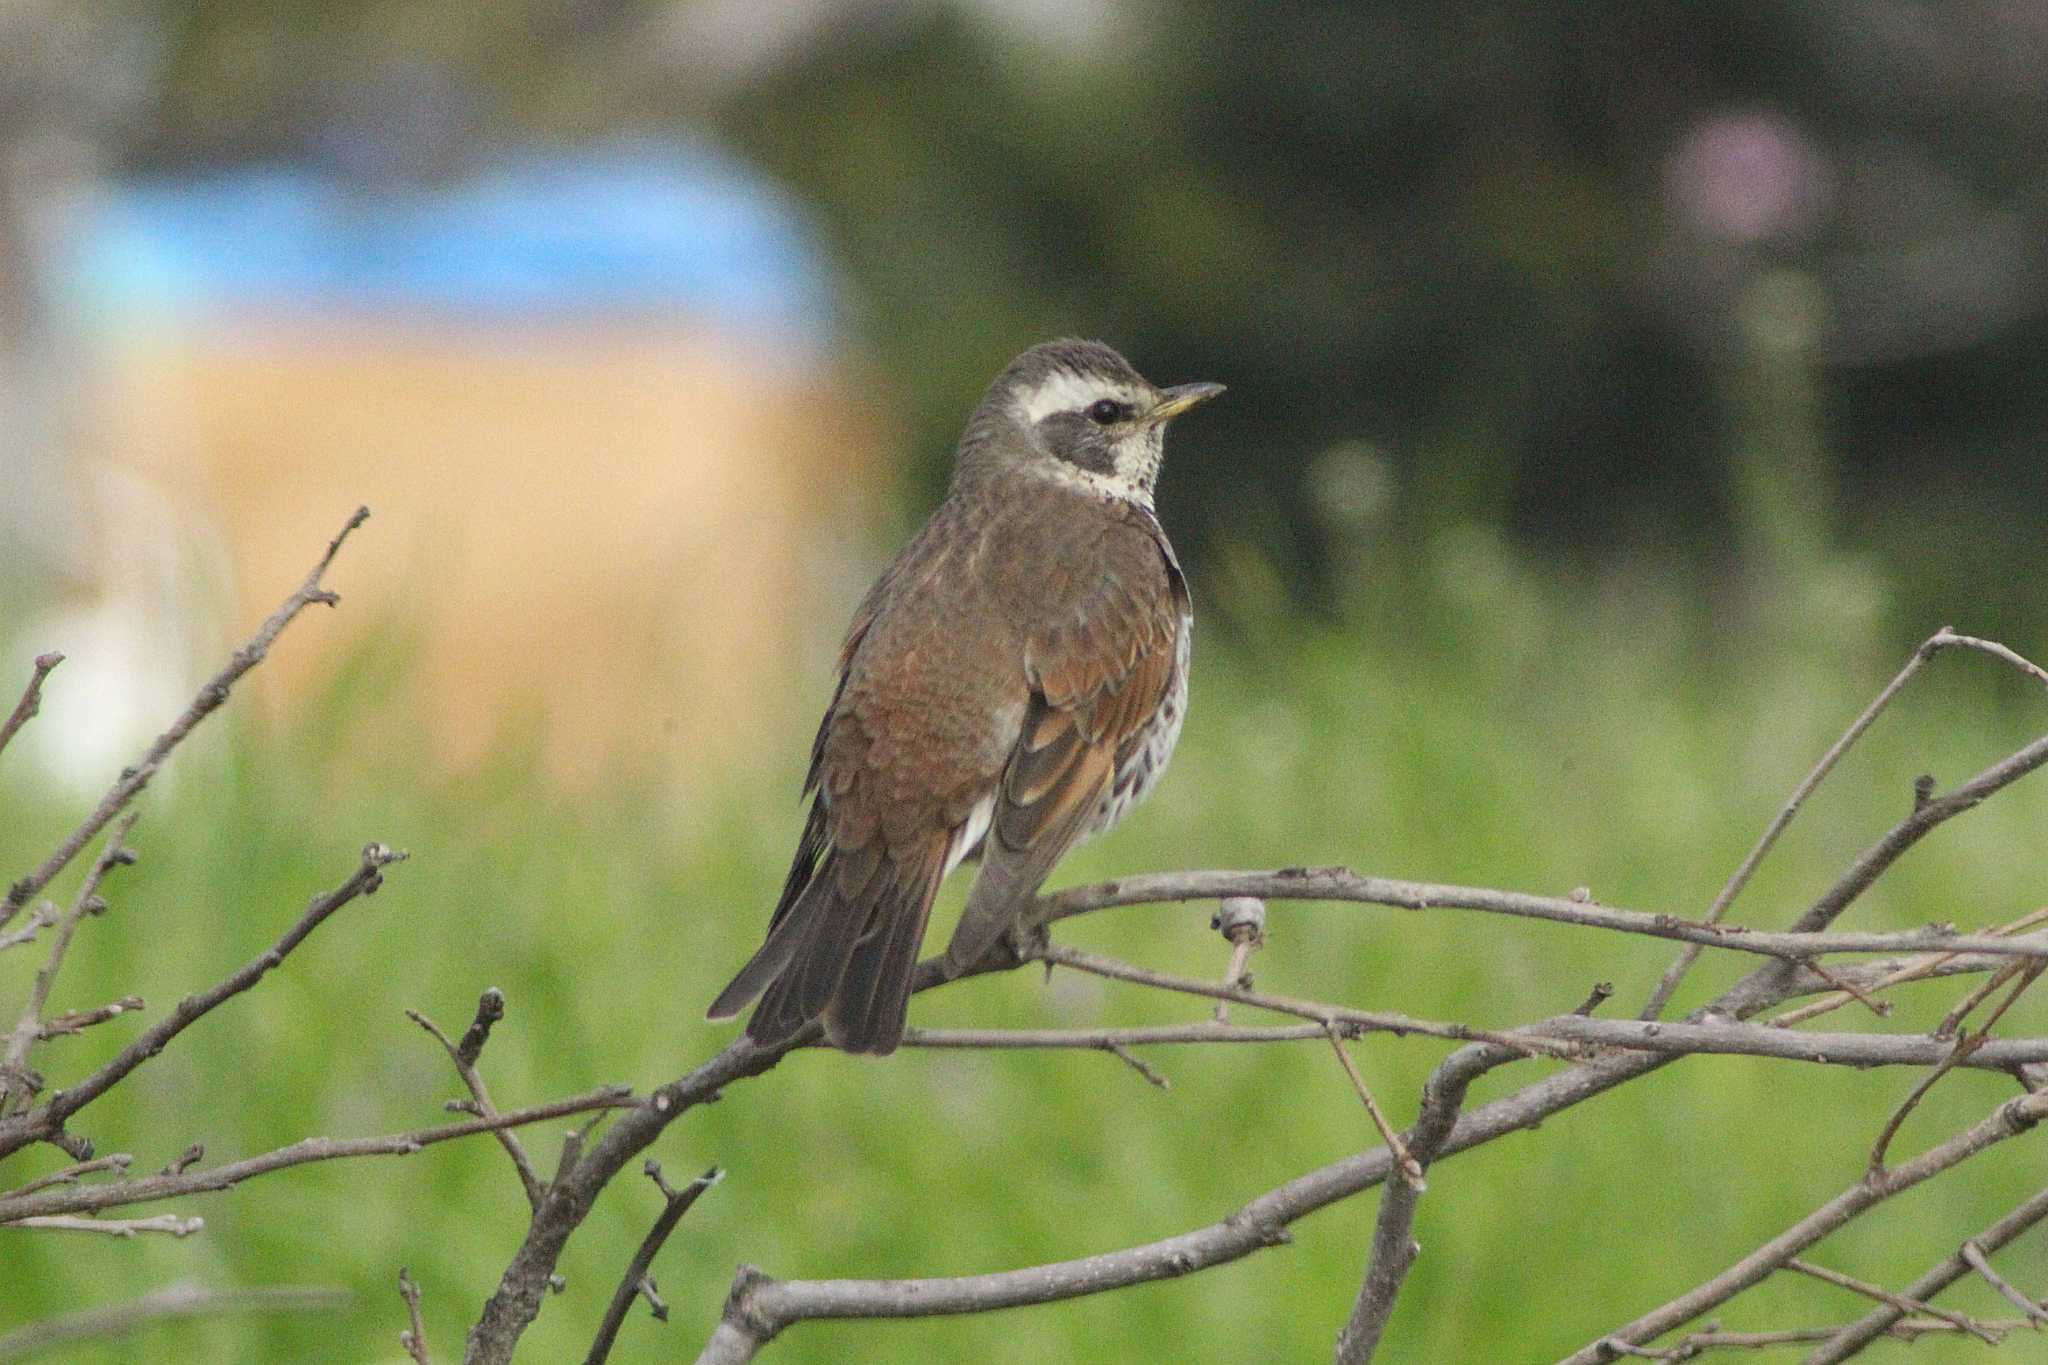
column 1013, row 684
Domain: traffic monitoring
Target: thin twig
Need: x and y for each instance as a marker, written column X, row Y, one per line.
column 178, row 1301
column 414, row 1337
column 1355, row 1021
column 1951, row 640
column 71, row 1175
column 41, row 916
column 1902, row 1302
column 635, row 1283
column 1926, row 965
column 47, row 1120
column 1146, row 1071
column 489, row 1009
column 1394, row 1248
column 1952, row 1022
column 1981, row 1263
column 29, row 1029
column 150, row 1188
column 30, row 703
column 209, row 699
column 114, row 1227
column 1962, row 1051
column 1793, row 949
column 2008, row 1120
column 1847, row 1341
column 1201, row 1031
column 1881, row 1008
column 1411, row 1169
column 1668, row 984
column 78, row 1021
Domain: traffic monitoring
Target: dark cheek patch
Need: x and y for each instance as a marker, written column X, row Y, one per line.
column 1079, row 442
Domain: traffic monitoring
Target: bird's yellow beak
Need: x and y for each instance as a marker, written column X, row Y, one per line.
column 1179, row 399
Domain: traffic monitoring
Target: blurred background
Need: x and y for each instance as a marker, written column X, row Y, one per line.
column 1618, row 394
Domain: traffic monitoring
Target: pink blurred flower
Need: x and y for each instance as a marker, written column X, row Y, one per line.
column 1748, row 176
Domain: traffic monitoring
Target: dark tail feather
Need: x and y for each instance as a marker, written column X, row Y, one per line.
column 786, row 930
column 867, row 1013
column 844, row 948
column 828, row 928
column 762, row 968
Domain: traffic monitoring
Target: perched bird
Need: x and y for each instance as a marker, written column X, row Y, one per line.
column 1013, row 684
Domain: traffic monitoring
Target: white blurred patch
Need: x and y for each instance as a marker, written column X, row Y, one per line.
column 133, row 653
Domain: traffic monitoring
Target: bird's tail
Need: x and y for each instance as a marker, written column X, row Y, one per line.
column 843, row 946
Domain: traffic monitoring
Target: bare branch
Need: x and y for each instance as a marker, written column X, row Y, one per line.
column 1410, row 1168
column 29, row 1029
column 1847, row 1341
column 520, row 1288
column 71, row 1175
column 1963, row 1049
column 1393, row 1244
column 1752, row 1040
column 1342, row 884
column 675, row 1204
column 517, row 1299
column 1204, row 1031
column 41, row 916
column 1980, row 1263
column 150, row 1188
column 114, row 1227
column 30, row 703
column 490, row 1008
column 1929, row 964
column 78, row 1021
column 1944, row 638
column 1885, row 1296
column 1693, row 1343
column 47, row 1120
column 178, row 1301
column 2008, row 1120
column 1668, row 984
column 210, row 698
column 414, row 1337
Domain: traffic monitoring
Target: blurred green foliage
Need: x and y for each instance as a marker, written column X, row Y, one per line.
column 1533, row 736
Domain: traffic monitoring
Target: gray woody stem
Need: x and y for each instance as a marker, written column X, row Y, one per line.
column 1935, row 643
column 2008, row 1120
column 31, row 702
column 210, row 699
column 1393, row 1243
column 675, row 1203
column 1946, row 1272
column 1342, row 884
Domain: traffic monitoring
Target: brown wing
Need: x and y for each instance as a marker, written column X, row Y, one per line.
column 923, row 719
column 1098, row 672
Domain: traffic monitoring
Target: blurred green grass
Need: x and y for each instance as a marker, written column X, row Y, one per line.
column 1485, row 724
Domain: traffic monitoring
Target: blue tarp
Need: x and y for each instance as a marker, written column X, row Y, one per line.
column 671, row 229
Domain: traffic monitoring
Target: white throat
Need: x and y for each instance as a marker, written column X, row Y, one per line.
column 1118, row 487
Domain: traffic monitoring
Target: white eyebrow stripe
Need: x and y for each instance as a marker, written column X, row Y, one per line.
column 1062, row 391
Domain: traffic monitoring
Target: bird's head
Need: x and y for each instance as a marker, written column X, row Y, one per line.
column 1078, row 412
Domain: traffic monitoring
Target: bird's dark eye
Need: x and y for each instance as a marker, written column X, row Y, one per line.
column 1103, row 411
